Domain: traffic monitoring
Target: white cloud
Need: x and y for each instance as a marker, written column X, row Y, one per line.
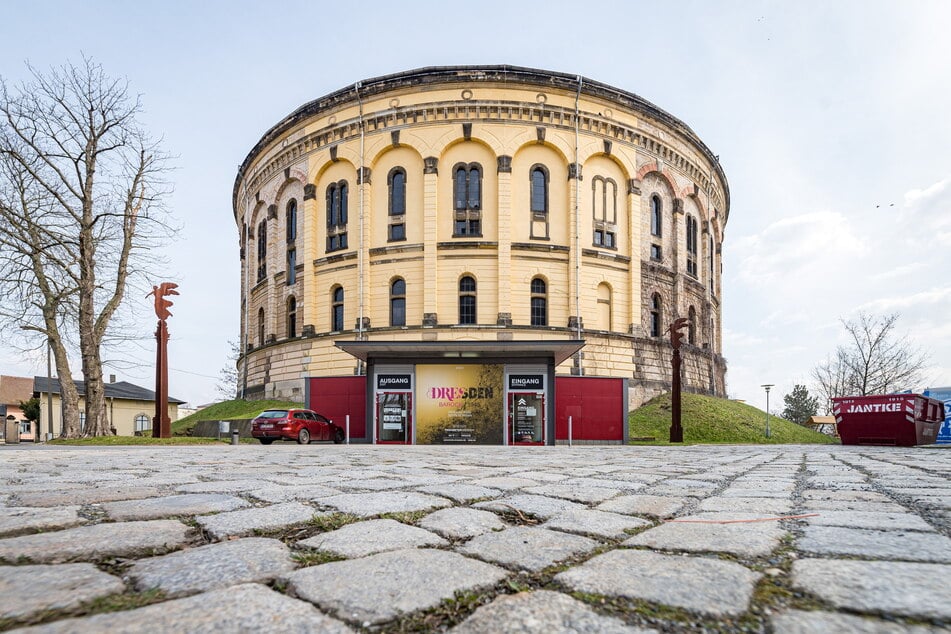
column 902, row 303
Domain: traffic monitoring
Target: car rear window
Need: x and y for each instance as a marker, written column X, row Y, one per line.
column 273, row 413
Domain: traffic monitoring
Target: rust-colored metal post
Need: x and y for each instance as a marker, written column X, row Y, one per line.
column 676, row 428
column 161, row 423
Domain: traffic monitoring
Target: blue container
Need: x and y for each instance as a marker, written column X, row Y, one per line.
column 943, row 394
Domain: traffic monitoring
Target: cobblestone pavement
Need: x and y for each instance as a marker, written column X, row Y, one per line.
column 330, row 538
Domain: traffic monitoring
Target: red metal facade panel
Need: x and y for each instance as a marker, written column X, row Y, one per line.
column 335, row 397
column 596, row 407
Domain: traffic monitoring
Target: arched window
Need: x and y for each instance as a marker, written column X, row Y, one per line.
column 691, row 246
column 396, row 182
column 712, row 287
column 692, row 326
column 539, row 302
column 398, row 302
column 143, row 424
column 539, row 196
column 467, row 300
column 260, row 326
column 604, row 307
column 291, row 217
column 604, row 208
column 337, row 201
column 657, row 218
column 467, row 200
column 336, row 315
column 656, row 315
column 291, row 317
column 262, row 250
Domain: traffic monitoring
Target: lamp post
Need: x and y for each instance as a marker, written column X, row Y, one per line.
column 766, row 387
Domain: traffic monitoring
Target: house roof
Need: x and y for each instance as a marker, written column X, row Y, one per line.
column 14, row 389
column 120, row 389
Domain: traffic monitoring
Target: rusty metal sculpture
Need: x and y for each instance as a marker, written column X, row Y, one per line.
column 161, row 424
column 676, row 429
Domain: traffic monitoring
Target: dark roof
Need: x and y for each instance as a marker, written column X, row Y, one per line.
column 559, row 350
column 120, row 389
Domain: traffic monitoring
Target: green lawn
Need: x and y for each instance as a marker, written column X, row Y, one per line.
column 98, row 441
column 227, row 410
column 706, row 419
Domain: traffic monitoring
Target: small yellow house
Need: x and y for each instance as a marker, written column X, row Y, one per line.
column 130, row 408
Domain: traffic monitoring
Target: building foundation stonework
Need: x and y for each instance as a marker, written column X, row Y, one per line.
column 480, row 204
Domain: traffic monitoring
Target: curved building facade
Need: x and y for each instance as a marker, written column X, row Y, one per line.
column 490, row 204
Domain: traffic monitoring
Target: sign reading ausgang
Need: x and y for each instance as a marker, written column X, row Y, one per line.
column 526, row 381
column 393, row 382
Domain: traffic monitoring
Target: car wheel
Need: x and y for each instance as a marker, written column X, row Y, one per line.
column 266, row 441
column 303, row 437
column 339, row 436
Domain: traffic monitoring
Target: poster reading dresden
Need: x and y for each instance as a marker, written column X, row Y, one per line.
column 459, row 404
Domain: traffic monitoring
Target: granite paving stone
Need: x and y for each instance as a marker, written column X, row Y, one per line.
column 121, row 539
column 875, row 520
column 816, row 506
column 527, row 547
column 246, row 521
column 702, row 533
column 220, row 486
column 506, row 483
column 252, row 559
column 849, row 496
column 380, row 587
column 650, row 505
column 895, row 545
column 537, row 505
column 596, row 523
column 802, row 622
column 761, row 506
column 173, row 505
column 708, row 586
column 19, row 519
column 245, row 608
column 461, row 523
column 583, row 494
column 26, row 590
column 540, row 611
column 908, row 589
column 369, row 504
column 461, row 492
column 89, row 495
column 280, row 493
column 372, row 536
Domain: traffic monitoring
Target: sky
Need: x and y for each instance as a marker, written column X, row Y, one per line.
column 831, row 121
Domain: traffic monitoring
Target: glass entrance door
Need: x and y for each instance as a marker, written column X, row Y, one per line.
column 526, row 418
column 394, row 419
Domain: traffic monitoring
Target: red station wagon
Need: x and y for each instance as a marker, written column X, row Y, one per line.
column 301, row 425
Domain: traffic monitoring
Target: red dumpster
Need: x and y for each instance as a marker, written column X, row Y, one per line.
column 888, row 419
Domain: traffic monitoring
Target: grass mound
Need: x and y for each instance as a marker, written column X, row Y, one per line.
column 707, row 419
column 227, row 410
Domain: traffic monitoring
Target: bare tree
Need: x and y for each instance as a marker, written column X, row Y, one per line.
column 228, row 376
column 83, row 189
column 875, row 361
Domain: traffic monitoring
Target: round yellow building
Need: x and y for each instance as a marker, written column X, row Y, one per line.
column 480, row 204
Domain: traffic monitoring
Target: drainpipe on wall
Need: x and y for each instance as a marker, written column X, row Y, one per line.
column 360, row 263
column 578, row 220
column 247, row 300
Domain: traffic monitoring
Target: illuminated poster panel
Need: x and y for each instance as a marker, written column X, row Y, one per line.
column 459, row 404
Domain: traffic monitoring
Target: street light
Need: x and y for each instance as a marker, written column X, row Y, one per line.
column 766, row 387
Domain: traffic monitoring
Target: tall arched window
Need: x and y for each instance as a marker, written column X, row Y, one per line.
column 260, row 326
column 396, row 182
column 711, row 249
column 657, row 218
column 467, row 300
column 467, row 200
column 398, row 302
column 291, row 218
column 691, row 246
column 692, row 326
column 604, row 307
column 656, row 315
column 291, row 317
column 337, row 202
column 539, row 302
column 262, row 250
column 336, row 314
column 604, row 208
column 539, row 196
